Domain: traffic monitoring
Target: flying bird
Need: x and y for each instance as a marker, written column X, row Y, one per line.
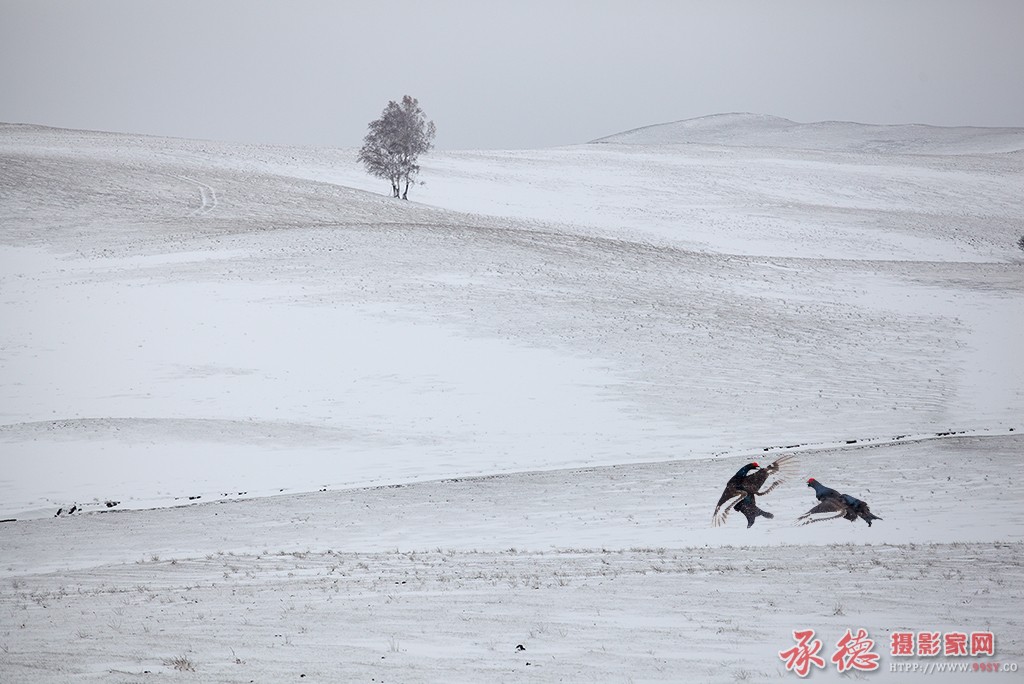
column 742, row 489
column 843, row 505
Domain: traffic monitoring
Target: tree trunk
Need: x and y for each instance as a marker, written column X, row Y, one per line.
column 405, row 194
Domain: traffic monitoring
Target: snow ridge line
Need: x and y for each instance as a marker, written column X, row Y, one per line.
column 221, row 497
column 207, row 196
column 812, row 446
column 873, row 441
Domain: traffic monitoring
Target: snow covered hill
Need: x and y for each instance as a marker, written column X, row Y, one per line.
column 500, row 414
column 757, row 130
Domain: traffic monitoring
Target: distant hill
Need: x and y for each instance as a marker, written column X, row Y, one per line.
column 756, row 130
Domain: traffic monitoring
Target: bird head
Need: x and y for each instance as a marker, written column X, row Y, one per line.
column 811, row 482
column 754, row 465
column 742, row 472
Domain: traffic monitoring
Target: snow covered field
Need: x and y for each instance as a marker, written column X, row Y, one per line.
column 359, row 439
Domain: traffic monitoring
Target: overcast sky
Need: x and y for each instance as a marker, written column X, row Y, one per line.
column 502, row 73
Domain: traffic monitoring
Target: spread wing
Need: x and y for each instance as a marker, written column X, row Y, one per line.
column 827, row 506
column 782, row 464
column 722, row 512
column 781, row 468
column 730, row 497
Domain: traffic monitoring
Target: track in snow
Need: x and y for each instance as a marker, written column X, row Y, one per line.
column 207, row 196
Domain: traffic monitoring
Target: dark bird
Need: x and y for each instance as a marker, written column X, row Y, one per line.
column 61, row 512
column 843, row 505
column 742, row 489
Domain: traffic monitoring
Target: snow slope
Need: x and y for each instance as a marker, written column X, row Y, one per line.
column 758, row 130
column 519, row 394
column 822, row 195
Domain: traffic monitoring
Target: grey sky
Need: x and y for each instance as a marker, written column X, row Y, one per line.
column 502, row 74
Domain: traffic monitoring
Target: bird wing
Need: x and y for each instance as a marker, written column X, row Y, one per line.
column 752, row 482
column 730, row 497
column 780, row 468
column 829, row 505
column 826, row 506
column 782, row 463
column 732, row 489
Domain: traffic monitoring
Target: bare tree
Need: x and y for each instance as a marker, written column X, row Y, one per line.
column 394, row 143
